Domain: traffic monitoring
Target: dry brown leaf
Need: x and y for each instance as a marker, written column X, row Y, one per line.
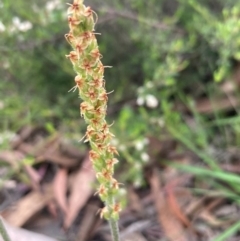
column 134, row 200
column 60, row 188
column 206, row 106
column 172, row 227
column 40, row 145
column 214, row 203
column 173, row 192
column 11, row 157
column 58, row 158
column 176, row 209
column 19, row 234
column 228, row 87
column 195, row 206
column 28, row 206
column 137, row 226
column 233, row 82
column 23, row 134
column 231, row 167
column 50, row 145
column 209, row 217
column 71, row 151
column 27, row 149
column 157, row 148
column 32, row 173
column 81, row 190
column 134, row 236
column 88, row 224
column 212, row 220
column 52, row 208
column 34, row 176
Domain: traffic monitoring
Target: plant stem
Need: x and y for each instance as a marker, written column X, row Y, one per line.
column 3, row 231
column 90, row 82
column 114, row 229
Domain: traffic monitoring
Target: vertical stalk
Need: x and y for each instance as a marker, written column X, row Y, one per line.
column 113, row 222
column 3, row 231
column 114, row 229
column 86, row 60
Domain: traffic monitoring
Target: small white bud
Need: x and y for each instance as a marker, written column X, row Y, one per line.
column 122, row 147
column 140, row 90
column 149, row 84
column 151, row 101
column 145, row 157
column 146, row 141
column 137, row 183
column 140, row 101
column 122, row 191
column 25, row 26
column 161, row 122
column 2, row 27
column 137, row 166
column 1, row 105
column 139, row 145
column 115, row 142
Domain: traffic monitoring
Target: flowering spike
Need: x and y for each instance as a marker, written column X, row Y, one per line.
column 86, row 60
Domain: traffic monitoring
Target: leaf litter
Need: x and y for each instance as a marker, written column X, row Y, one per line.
column 59, row 184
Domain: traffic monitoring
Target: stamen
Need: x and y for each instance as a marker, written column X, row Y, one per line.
column 73, row 89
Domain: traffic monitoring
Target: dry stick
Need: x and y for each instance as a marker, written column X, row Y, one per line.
column 3, row 231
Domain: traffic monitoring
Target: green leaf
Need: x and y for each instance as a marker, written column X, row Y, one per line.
column 29, row 161
column 228, row 233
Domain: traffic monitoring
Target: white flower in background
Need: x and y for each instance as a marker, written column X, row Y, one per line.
column 16, row 21
column 151, row 101
column 2, row 27
column 146, row 141
column 140, row 101
column 161, row 122
column 122, row 192
column 51, row 5
column 115, row 142
column 149, row 84
column 122, row 147
column 137, row 183
column 140, row 90
column 21, row 26
column 139, row 145
column 145, row 157
column 25, row 26
column 6, row 136
column 137, row 166
column 6, row 65
column 10, row 184
column 1, row 105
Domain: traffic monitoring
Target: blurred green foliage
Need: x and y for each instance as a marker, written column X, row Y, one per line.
column 163, row 52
